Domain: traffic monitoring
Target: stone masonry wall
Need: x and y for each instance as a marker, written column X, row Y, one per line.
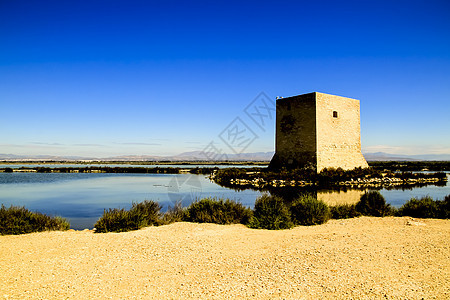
column 318, row 130
column 295, row 144
column 338, row 135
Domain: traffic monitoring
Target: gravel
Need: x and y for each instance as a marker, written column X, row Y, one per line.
column 360, row 258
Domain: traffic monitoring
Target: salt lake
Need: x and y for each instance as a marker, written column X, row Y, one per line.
column 82, row 197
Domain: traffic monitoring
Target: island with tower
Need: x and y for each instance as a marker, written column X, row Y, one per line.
column 318, row 142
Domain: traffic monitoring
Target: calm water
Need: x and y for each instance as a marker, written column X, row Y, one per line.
column 81, row 165
column 81, row 198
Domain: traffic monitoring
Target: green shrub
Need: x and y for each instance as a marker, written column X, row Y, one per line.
column 344, row 211
column 373, row 204
column 114, row 220
column 219, row 211
column 174, row 214
column 444, row 208
column 307, row 210
column 18, row 220
column 270, row 213
column 426, row 207
column 145, row 214
column 140, row 215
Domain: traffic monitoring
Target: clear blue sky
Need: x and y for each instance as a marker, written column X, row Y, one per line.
column 104, row 78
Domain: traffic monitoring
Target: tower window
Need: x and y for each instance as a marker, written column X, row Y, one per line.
column 335, row 114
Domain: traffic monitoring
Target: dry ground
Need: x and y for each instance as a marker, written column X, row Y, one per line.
column 361, row 258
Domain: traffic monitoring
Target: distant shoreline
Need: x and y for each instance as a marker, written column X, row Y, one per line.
column 108, row 162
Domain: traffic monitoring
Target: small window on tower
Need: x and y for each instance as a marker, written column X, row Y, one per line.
column 335, row 114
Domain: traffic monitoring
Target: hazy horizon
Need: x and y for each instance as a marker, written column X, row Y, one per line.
column 102, row 79
column 210, row 157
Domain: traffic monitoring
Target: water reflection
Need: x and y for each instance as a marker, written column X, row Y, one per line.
column 332, row 198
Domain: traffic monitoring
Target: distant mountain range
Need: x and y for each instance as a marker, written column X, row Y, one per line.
column 185, row 156
column 200, row 156
column 382, row 156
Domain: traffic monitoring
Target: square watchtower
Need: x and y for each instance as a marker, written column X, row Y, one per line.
column 318, row 130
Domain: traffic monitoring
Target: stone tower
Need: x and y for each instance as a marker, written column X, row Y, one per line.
column 318, row 130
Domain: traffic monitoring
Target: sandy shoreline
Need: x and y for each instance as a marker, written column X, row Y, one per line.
column 362, row 258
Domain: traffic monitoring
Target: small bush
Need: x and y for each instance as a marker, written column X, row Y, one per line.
column 307, row 210
column 444, row 208
column 174, row 214
column 19, row 220
column 114, row 220
column 373, row 204
column 140, row 215
column 146, row 213
column 270, row 213
column 219, row 211
column 426, row 207
column 344, row 211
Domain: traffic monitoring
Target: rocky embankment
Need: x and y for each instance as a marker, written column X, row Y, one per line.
column 365, row 182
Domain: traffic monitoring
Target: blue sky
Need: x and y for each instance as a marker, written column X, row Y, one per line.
column 106, row 78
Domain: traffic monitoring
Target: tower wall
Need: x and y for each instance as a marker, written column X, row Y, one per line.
column 338, row 133
column 295, row 140
column 319, row 131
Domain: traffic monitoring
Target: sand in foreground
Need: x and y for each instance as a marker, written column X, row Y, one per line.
column 365, row 258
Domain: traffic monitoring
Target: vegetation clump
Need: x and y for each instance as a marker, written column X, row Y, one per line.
column 113, row 220
column 426, row 207
column 174, row 214
column 307, row 210
column 330, row 176
column 444, row 207
column 147, row 213
column 344, row 211
column 219, row 211
column 410, row 165
column 372, row 203
column 140, row 215
column 270, row 212
column 19, row 220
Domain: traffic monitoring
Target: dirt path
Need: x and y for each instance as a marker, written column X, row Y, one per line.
column 362, row 258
